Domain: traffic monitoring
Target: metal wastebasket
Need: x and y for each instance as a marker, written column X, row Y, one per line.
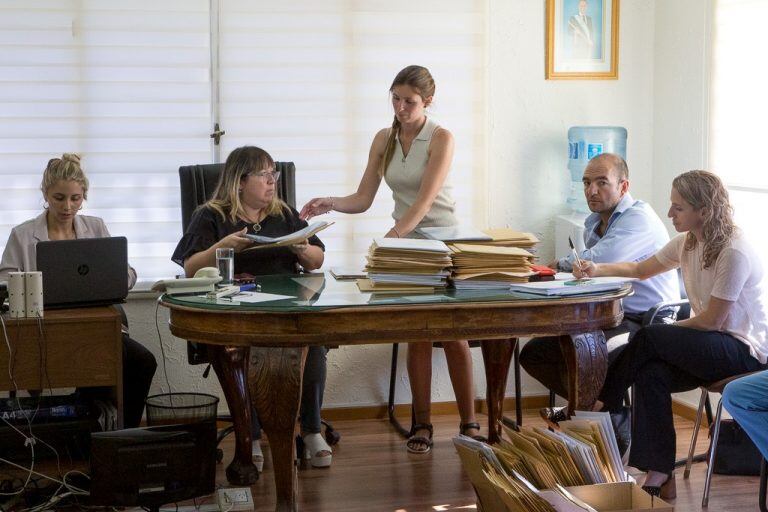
column 174, row 408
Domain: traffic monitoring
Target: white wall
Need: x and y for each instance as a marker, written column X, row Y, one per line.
column 529, row 117
column 528, row 182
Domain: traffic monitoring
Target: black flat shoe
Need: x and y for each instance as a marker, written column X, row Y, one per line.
column 665, row 491
column 463, row 427
column 553, row 416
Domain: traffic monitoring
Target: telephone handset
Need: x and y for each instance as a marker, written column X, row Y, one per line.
column 202, row 282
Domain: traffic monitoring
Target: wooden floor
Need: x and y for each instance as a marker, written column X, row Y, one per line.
column 372, row 471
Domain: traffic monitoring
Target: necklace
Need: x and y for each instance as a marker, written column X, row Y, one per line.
column 256, row 226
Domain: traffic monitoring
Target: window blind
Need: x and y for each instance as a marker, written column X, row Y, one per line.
column 308, row 81
column 126, row 85
column 739, row 110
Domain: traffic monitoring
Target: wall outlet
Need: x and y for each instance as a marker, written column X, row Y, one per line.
column 233, row 499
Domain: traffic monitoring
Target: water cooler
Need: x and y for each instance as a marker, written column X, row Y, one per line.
column 584, row 143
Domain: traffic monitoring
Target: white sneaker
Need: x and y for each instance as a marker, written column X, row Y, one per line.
column 257, row 456
column 317, row 450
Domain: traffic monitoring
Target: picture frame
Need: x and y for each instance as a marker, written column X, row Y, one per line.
column 582, row 40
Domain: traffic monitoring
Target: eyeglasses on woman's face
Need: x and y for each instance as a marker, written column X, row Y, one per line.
column 265, row 175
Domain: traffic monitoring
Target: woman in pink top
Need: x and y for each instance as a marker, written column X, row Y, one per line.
column 726, row 335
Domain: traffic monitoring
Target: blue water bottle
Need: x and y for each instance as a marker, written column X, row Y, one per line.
column 584, row 143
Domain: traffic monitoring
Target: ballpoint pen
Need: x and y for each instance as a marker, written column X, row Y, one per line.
column 576, row 257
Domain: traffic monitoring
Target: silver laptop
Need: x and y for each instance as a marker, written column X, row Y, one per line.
column 83, row 272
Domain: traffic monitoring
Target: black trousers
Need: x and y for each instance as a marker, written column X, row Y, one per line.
column 661, row 360
column 544, row 361
column 139, row 367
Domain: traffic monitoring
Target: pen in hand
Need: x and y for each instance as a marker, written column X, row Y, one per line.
column 577, row 260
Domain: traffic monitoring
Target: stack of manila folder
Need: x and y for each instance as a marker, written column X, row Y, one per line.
column 494, row 263
column 575, row 469
column 406, row 265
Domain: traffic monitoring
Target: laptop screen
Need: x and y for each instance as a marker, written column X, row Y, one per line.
column 83, row 272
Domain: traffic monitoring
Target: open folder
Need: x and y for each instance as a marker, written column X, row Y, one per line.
column 263, row 242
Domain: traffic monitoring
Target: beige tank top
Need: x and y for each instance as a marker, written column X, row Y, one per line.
column 404, row 175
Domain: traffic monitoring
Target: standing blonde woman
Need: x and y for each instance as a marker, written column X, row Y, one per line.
column 727, row 335
column 414, row 157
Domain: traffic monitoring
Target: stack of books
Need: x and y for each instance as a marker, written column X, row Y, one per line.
column 406, row 265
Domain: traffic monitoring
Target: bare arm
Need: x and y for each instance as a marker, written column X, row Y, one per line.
column 712, row 318
column 310, row 257
column 435, row 173
column 642, row 270
column 361, row 200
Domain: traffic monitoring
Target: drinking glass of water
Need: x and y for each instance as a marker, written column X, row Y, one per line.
column 225, row 262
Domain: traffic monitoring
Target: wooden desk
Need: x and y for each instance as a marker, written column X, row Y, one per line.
column 261, row 348
column 77, row 347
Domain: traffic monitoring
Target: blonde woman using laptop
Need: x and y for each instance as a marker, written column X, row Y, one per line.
column 65, row 188
column 414, row 157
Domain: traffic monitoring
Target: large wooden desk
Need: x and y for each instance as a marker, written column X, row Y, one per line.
column 67, row 348
column 261, row 348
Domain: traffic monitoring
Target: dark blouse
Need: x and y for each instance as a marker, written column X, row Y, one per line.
column 207, row 227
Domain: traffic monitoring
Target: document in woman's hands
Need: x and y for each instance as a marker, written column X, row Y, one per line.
column 262, row 242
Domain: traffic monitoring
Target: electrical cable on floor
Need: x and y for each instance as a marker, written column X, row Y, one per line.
column 162, row 348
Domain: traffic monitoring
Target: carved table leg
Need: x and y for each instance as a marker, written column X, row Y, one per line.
column 587, row 358
column 275, row 376
column 230, row 365
column 497, row 355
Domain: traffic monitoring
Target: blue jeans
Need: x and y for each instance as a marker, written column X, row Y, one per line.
column 747, row 401
column 312, row 388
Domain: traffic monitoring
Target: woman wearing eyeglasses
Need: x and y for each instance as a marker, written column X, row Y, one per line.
column 414, row 157
column 245, row 202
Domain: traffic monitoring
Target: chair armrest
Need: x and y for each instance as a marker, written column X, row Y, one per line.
column 650, row 316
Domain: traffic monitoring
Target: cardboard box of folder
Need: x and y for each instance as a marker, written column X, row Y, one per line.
column 619, row 497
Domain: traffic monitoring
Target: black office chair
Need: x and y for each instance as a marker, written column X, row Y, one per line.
column 197, row 184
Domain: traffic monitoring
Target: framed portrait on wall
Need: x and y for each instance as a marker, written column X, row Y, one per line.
column 582, row 40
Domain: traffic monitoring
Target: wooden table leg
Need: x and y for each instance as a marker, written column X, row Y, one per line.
column 275, row 376
column 231, row 367
column 587, row 358
column 497, row 355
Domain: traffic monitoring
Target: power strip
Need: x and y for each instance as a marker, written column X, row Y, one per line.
column 234, row 499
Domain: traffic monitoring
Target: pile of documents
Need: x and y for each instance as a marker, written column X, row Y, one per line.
column 478, row 266
column 406, row 265
column 505, row 237
column 583, row 451
column 512, row 474
column 493, row 258
column 501, row 489
column 572, row 286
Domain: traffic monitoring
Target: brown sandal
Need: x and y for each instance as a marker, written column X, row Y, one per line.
column 463, row 427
